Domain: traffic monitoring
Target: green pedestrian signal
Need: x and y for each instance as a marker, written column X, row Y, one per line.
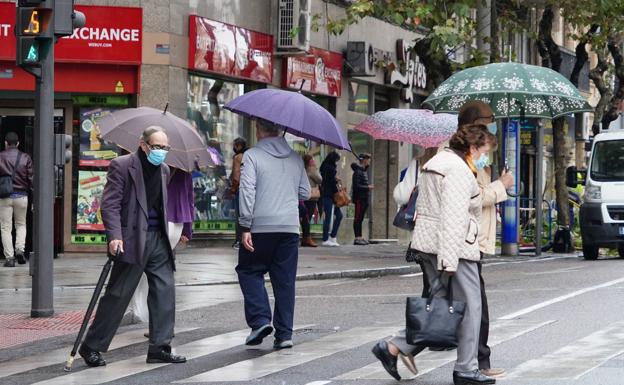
column 33, row 54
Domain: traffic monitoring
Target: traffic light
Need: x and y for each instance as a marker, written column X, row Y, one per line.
column 62, row 149
column 33, row 31
column 66, row 19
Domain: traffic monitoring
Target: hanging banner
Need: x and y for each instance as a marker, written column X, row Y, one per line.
column 320, row 73
column 230, row 50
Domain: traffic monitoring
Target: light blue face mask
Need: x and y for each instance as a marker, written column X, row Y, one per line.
column 483, row 161
column 156, row 157
column 492, row 127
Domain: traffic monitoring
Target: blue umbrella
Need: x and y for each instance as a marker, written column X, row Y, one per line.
column 293, row 112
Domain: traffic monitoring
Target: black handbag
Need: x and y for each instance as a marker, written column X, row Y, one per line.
column 404, row 218
column 6, row 181
column 433, row 321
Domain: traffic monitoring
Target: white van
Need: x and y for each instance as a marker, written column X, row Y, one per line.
column 602, row 211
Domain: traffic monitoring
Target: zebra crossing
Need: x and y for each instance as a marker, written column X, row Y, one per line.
column 567, row 363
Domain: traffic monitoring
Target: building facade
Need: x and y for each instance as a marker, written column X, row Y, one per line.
column 194, row 57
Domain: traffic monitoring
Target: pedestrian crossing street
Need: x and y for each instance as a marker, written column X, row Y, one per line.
column 570, row 362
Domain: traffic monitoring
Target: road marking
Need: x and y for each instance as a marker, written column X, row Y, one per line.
column 58, row 356
column 318, row 383
column 541, row 305
column 136, row 365
column 280, row 360
column 577, row 359
column 427, row 361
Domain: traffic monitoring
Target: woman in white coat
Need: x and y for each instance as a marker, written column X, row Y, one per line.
column 445, row 235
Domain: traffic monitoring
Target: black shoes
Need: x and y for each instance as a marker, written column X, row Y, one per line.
column 20, row 258
column 257, row 335
column 164, row 356
column 91, row 357
column 282, row 344
column 389, row 362
column 9, row 263
column 472, row 378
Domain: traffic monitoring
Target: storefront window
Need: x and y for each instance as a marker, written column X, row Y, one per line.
column 91, row 166
column 358, row 97
column 214, row 203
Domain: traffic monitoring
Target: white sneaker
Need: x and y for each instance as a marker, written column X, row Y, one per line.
column 327, row 243
column 334, row 242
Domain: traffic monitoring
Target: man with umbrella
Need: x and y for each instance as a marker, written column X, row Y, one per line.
column 136, row 229
column 273, row 181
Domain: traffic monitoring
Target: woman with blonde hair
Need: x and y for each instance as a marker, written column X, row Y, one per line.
column 446, row 237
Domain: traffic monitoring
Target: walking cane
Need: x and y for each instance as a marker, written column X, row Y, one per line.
column 96, row 294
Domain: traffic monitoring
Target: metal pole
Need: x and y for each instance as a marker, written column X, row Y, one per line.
column 539, row 170
column 42, row 280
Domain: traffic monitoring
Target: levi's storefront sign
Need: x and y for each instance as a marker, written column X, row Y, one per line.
column 321, row 70
column 229, row 50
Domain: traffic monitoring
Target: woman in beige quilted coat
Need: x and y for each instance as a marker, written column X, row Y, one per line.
column 446, row 234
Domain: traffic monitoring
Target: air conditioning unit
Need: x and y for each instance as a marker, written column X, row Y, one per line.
column 360, row 59
column 294, row 23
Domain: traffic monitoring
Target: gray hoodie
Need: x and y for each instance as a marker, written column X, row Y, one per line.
column 273, row 180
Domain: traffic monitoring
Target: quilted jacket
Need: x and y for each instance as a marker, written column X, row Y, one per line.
column 448, row 211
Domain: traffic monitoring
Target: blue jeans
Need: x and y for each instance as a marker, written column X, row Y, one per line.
column 328, row 203
column 277, row 254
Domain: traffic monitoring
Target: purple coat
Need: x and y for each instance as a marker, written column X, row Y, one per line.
column 124, row 206
column 181, row 205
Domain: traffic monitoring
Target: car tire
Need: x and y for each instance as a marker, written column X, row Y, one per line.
column 590, row 252
column 621, row 250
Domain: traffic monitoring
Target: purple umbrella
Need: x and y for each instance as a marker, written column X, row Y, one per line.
column 421, row 127
column 294, row 112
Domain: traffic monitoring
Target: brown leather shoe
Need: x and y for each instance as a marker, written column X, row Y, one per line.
column 494, row 372
column 308, row 242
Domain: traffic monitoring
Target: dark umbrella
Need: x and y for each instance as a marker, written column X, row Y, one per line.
column 293, row 112
column 85, row 321
column 124, row 128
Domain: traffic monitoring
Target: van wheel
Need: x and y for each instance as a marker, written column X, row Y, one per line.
column 590, row 252
column 621, row 250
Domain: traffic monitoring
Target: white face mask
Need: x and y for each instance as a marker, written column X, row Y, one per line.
column 492, row 127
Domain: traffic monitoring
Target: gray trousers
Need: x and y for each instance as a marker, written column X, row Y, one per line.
column 466, row 288
column 121, row 285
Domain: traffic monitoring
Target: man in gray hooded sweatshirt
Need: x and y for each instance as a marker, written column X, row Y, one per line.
column 273, row 181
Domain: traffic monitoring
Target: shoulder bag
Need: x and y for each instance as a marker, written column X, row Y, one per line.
column 404, row 218
column 433, row 321
column 6, row 181
column 341, row 198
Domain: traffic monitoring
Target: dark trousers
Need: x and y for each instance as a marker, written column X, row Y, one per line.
column 361, row 205
column 121, row 285
column 306, row 211
column 276, row 254
column 484, row 331
column 328, row 203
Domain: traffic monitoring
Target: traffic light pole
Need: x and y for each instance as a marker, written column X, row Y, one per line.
column 42, row 304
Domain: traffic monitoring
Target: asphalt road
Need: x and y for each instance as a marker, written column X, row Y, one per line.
column 554, row 321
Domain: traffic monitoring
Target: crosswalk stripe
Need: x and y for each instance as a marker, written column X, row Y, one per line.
column 58, row 356
column 308, row 351
column 136, row 365
column 576, row 359
column 427, row 361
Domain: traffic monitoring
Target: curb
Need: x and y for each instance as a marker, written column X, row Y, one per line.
column 357, row 273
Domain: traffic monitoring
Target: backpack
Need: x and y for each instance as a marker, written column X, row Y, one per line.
column 6, row 181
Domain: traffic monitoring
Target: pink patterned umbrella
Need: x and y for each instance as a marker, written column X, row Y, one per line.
column 421, row 127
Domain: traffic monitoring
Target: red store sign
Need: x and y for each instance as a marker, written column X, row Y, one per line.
column 322, row 72
column 111, row 35
column 230, row 50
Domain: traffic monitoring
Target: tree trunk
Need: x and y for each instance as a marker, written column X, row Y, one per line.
column 494, row 33
column 596, row 74
column 614, row 105
column 551, row 57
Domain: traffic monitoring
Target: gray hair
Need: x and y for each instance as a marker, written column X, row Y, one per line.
column 268, row 128
column 149, row 131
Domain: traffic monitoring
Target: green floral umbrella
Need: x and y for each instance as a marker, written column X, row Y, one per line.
column 512, row 90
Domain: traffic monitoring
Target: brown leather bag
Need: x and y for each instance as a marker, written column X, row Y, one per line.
column 341, row 198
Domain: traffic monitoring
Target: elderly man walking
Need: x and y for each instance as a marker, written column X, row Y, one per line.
column 273, row 181
column 136, row 226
